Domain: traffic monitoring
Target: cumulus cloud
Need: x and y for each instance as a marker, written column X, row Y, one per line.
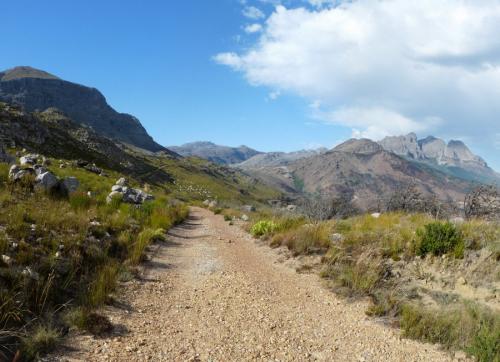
column 253, row 28
column 252, row 12
column 385, row 66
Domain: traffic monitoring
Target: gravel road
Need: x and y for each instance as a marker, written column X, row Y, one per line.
column 211, row 293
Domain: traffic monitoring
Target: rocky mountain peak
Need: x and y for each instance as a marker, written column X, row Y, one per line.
column 359, row 146
column 24, row 72
column 37, row 90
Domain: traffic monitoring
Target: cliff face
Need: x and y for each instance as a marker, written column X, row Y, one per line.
column 37, row 90
column 453, row 156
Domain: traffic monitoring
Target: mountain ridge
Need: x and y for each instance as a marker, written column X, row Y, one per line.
column 37, row 90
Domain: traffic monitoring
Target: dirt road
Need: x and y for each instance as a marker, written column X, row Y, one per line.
column 212, row 294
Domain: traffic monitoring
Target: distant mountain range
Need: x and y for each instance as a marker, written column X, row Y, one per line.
column 364, row 169
column 37, row 90
column 222, row 155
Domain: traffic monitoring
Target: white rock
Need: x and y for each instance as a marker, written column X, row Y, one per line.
column 7, row 259
column 114, row 195
column 376, row 215
column 47, row 181
column 122, row 182
column 244, row 217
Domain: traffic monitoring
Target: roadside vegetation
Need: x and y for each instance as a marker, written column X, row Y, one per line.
column 62, row 257
column 438, row 280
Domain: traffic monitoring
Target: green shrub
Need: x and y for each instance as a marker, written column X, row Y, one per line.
column 440, row 238
column 104, row 283
column 227, row 218
column 41, row 341
column 467, row 327
column 263, row 227
column 145, row 237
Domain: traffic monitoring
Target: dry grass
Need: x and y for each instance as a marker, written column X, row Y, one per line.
column 68, row 251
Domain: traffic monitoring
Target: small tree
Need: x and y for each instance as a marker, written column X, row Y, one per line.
column 482, row 201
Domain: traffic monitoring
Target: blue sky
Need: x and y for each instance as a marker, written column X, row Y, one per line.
column 294, row 74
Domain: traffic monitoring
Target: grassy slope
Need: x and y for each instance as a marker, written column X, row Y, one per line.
column 386, row 259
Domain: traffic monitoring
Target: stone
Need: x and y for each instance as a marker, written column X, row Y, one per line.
column 47, row 181
column 376, row 215
column 244, row 217
column 39, row 169
column 7, row 260
column 114, row 195
column 248, row 208
column 69, row 185
column 336, row 238
column 206, row 202
column 122, row 182
column 291, row 208
column 117, row 188
column 30, row 159
column 213, row 203
column 457, row 220
column 28, row 272
column 16, row 173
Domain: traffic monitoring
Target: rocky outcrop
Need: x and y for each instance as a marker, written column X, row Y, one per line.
column 454, row 156
column 37, row 90
column 43, row 179
column 127, row 194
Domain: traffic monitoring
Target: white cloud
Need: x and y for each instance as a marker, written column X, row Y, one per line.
column 252, row 12
column 253, row 28
column 385, row 66
column 274, row 95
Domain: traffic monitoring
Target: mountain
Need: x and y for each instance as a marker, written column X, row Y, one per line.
column 362, row 169
column 453, row 157
column 218, row 154
column 35, row 89
column 277, row 158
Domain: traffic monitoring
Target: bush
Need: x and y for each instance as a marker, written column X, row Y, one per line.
column 262, row 228
column 440, row 238
column 468, row 327
column 41, row 341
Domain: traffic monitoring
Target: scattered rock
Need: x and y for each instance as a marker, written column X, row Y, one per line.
column 336, row 238
column 30, row 159
column 122, row 182
column 47, row 181
column 28, row 272
column 69, row 185
column 248, row 208
column 7, row 260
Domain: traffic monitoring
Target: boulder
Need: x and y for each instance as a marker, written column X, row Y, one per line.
column 114, row 195
column 69, row 185
column 248, row 208
column 117, row 188
column 16, row 173
column 136, row 196
column 7, row 260
column 122, row 182
column 47, row 181
column 30, row 159
column 39, row 169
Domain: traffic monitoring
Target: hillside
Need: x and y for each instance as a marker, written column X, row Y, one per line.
column 223, row 155
column 36, row 90
column 53, row 134
column 364, row 170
